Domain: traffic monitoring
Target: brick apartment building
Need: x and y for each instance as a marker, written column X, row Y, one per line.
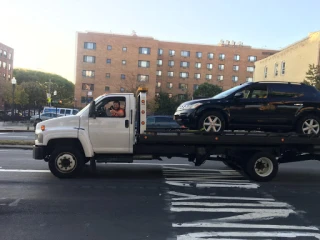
column 6, row 67
column 117, row 63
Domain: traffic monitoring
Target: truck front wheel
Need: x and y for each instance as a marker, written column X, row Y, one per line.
column 66, row 162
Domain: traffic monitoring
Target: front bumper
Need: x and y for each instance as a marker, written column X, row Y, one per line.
column 186, row 118
column 38, row 152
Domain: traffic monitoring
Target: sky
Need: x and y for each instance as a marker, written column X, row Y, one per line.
column 43, row 33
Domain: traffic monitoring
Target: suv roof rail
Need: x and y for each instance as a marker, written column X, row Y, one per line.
column 287, row 82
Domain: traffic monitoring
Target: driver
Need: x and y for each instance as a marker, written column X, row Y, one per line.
column 115, row 110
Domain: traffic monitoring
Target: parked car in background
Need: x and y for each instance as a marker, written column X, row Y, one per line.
column 264, row 106
column 61, row 111
column 42, row 117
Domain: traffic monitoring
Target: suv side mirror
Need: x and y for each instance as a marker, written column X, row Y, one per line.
column 92, row 109
column 239, row 95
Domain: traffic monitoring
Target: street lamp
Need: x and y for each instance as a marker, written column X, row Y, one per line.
column 14, row 82
column 55, row 94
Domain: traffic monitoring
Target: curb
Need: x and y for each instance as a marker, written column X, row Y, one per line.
column 24, row 147
column 13, row 130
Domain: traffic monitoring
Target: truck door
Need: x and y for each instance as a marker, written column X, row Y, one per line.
column 108, row 133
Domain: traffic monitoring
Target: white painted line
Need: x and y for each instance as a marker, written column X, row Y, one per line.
column 213, row 185
column 14, row 203
column 238, row 181
column 201, row 178
column 232, row 210
column 158, row 164
column 206, row 235
column 198, row 169
column 185, row 196
column 24, row 170
column 210, row 204
column 244, row 225
column 195, row 174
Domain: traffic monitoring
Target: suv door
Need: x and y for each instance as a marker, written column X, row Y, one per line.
column 252, row 108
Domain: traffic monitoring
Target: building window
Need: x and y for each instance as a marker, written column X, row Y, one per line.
column 159, row 62
column 195, row 87
column 107, row 75
column 124, row 49
column 9, row 77
column 250, row 69
column 265, row 72
column 4, row 65
column 209, row 76
column 158, row 84
column 220, row 77
column 9, row 66
column 222, row 56
column 198, row 65
column 89, row 59
column 249, row 79
column 199, row 54
column 210, row 55
column 108, row 60
column 276, row 69
column 10, row 55
column 157, row 94
column 197, row 75
column 144, row 64
column 121, row 89
column 184, row 64
column 170, row 74
column 172, row 53
column 109, row 47
column 235, row 78
column 185, row 53
column 106, row 88
column 221, row 67
column 182, row 96
column 123, row 76
column 209, row 66
column 86, row 99
column 87, row 73
column 160, row 51
column 90, row 45
column 5, row 53
column 183, row 86
column 144, row 50
column 169, row 85
column 170, row 95
column 87, row 86
column 184, row 75
column 0, row 52
column 235, row 68
column 171, row 63
column 0, row 64
column 143, row 78
column 159, row 73
column 236, row 57
column 4, row 75
column 252, row 58
column 283, row 68
column 124, row 62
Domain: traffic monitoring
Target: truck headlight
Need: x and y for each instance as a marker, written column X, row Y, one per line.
column 39, row 137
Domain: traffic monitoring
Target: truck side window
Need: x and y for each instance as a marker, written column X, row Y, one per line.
column 113, row 107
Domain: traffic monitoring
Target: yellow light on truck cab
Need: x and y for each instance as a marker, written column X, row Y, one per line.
column 142, row 89
column 43, row 127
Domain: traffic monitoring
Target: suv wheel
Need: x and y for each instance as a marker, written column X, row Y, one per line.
column 309, row 125
column 212, row 122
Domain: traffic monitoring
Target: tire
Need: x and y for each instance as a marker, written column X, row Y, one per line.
column 62, row 155
column 252, row 167
column 215, row 116
column 309, row 119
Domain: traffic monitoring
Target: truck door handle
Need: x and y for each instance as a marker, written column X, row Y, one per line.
column 126, row 123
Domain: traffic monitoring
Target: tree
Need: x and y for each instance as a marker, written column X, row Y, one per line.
column 165, row 105
column 313, row 76
column 207, row 90
column 21, row 98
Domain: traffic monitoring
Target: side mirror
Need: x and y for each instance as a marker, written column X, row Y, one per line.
column 239, row 95
column 92, row 109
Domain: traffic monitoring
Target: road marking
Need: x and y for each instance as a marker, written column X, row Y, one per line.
column 157, row 164
column 224, row 204
column 245, row 225
column 175, row 169
column 15, row 203
column 24, row 170
column 214, row 185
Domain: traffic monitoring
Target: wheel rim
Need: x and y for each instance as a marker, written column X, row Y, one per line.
column 310, row 126
column 263, row 167
column 212, row 124
column 66, row 162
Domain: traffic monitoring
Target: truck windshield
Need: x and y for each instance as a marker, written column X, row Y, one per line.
column 228, row 92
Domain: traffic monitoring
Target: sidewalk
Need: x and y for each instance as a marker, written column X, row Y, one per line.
column 16, row 127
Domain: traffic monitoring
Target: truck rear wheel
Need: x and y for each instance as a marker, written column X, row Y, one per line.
column 261, row 167
column 66, row 162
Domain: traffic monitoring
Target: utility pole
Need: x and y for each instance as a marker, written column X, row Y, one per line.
column 50, row 91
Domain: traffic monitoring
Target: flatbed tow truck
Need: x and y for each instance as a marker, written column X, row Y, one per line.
column 68, row 143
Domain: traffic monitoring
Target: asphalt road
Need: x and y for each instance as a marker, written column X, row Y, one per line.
column 156, row 200
column 17, row 136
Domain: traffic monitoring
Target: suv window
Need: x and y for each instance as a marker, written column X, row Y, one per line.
column 256, row 91
column 287, row 91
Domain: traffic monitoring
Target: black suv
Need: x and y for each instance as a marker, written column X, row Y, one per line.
column 264, row 106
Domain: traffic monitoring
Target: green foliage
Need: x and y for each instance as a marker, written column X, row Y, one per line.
column 313, row 76
column 21, row 97
column 164, row 105
column 207, row 90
